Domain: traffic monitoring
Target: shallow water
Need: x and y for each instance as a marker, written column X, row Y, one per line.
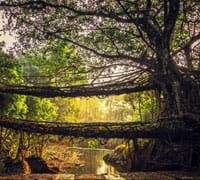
column 93, row 162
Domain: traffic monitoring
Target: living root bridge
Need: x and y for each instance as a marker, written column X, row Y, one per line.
column 128, row 130
column 77, row 90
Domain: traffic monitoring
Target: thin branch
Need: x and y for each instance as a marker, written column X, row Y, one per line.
column 188, row 44
column 41, row 5
column 140, row 61
column 117, row 56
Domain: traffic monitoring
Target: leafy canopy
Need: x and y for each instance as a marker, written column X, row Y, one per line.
column 54, row 64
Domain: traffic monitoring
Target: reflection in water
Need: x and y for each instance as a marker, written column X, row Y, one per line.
column 103, row 168
column 65, row 176
column 93, row 162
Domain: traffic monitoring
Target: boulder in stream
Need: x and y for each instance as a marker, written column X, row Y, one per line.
column 38, row 165
column 118, row 158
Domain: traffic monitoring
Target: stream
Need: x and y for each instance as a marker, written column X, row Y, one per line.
column 93, row 165
column 84, row 162
column 93, row 162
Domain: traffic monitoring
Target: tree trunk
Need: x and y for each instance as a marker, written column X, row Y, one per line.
column 181, row 99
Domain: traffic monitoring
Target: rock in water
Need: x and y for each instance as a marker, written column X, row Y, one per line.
column 38, row 165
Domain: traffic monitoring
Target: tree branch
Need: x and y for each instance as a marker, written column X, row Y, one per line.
column 170, row 20
column 117, row 56
column 188, row 44
column 41, row 5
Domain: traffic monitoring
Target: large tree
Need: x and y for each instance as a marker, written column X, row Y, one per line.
column 151, row 43
column 157, row 41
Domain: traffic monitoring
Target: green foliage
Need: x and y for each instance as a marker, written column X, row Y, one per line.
column 40, row 109
column 93, row 143
column 144, row 105
column 9, row 69
column 67, row 109
column 157, row 38
column 90, row 109
column 116, row 109
column 13, row 105
column 54, row 64
column 20, row 144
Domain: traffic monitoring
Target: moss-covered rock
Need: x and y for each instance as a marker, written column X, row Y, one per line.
column 118, row 158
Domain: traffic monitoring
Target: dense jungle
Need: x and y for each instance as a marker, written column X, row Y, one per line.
column 83, row 73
